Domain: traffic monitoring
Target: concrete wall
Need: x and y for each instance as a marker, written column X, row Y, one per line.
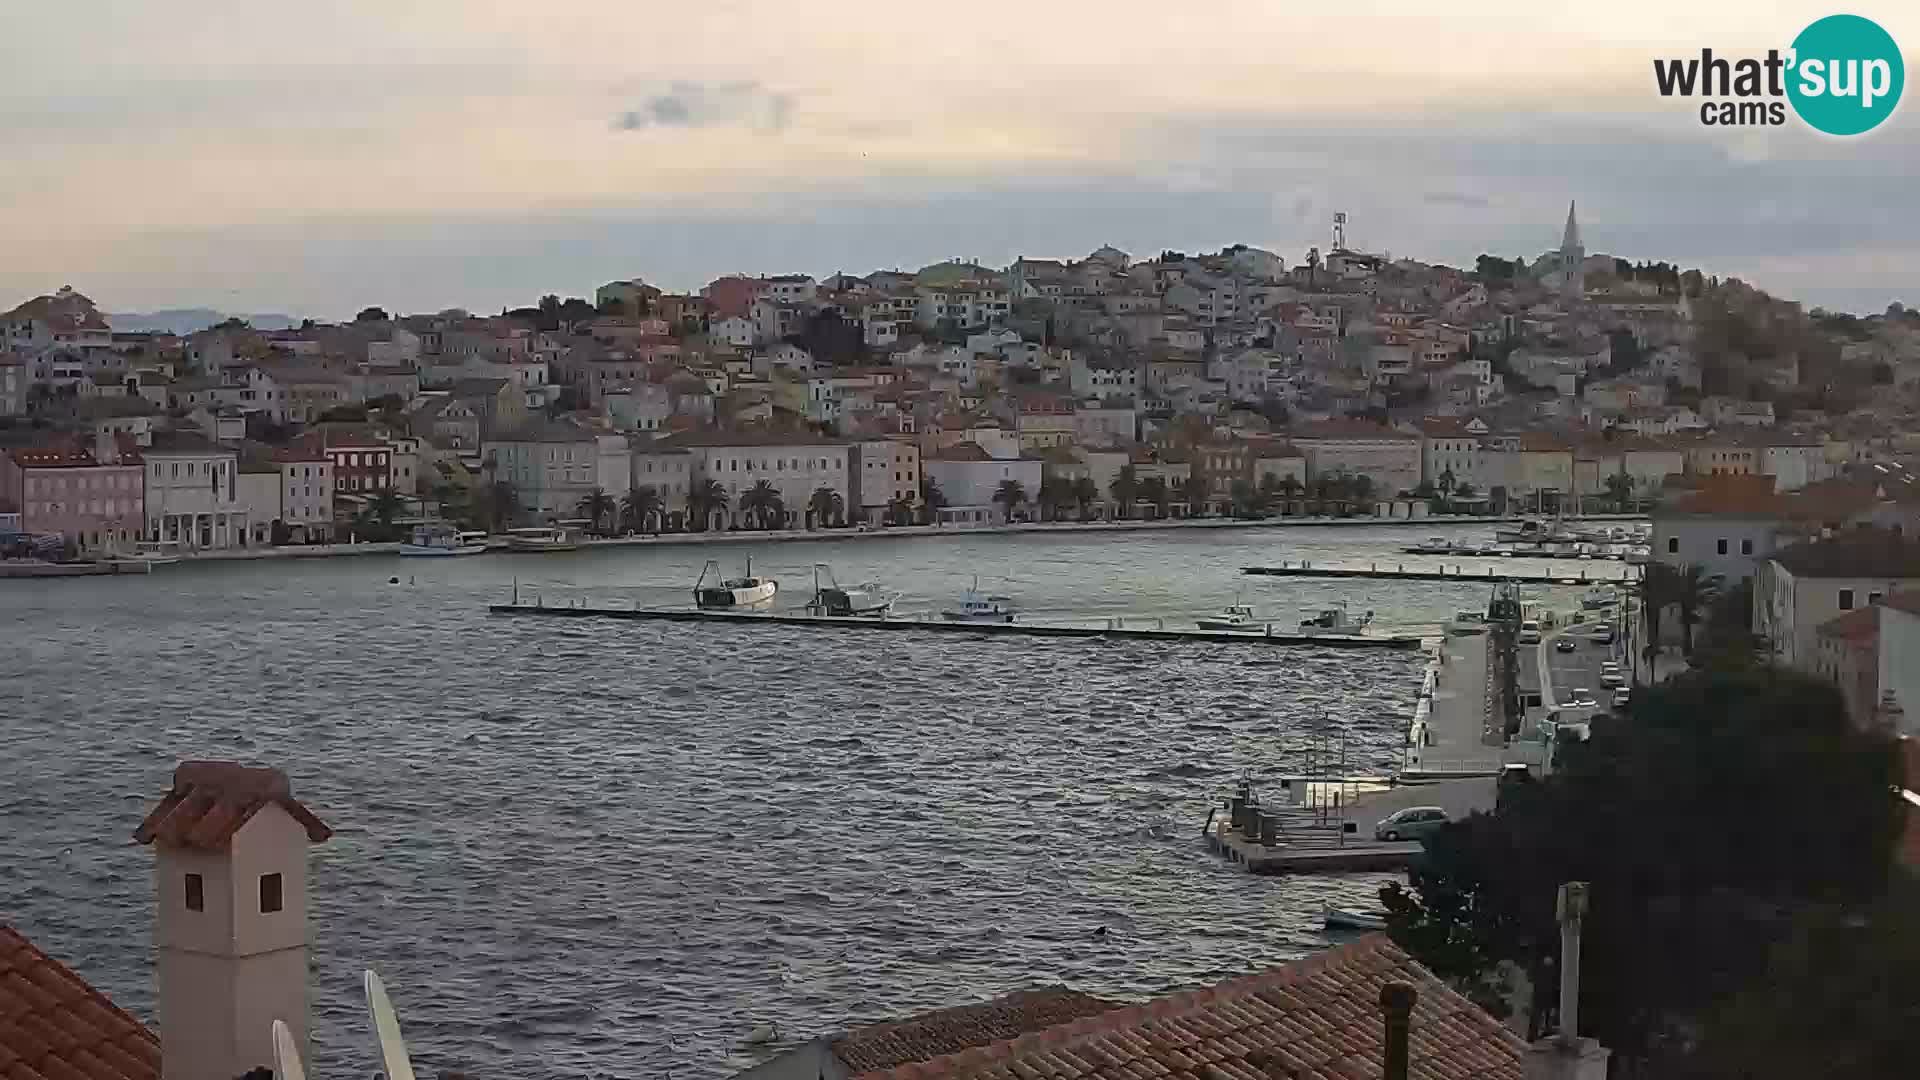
column 1900, row 664
column 1696, row 541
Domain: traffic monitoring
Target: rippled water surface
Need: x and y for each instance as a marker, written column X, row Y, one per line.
column 612, row 849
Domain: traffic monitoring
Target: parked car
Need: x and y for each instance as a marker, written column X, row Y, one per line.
column 1612, row 680
column 1564, row 644
column 1582, row 698
column 1413, row 823
column 1530, row 633
column 1603, row 634
column 1620, row 697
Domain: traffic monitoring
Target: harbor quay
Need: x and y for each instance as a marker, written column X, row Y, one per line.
column 1458, row 572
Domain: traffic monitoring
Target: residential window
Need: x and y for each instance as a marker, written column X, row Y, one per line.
column 1873, row 599
column 1846, row 599
column 1746, row 547
column 1673, row 545
column 1720, row 546
column 196, row 893
column 270, row 896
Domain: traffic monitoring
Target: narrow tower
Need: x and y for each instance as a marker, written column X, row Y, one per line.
column 1573, row 257
column 231, row 923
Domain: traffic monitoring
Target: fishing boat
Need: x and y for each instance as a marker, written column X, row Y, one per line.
column 1236, row 618
column 542, row 538
column 743, row 593
column 1336, row 620
column 1467, row 624
column 152, row 552
column 978, row 608
column 1434, row 545
column 831, row 598
column 441, row 540
column 1348, row 919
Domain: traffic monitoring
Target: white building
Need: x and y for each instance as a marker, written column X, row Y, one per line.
column 553, row 466
column 192, row 493
column 969, row 476
column 1803, row 586
column 1354, row 447
column 883, row 470
column 796, row 465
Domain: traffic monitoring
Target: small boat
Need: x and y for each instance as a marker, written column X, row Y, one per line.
column 1467, row 623
column 1528, row 531
column 443, row 540
column 830, row 598
column 152, row 552
column 1637, row 556
column 1237, row 618
column 743, row 593
column 1434, row 545
column 1348, row 919
column 541, row 538
column 1336, row 620
column 1597, row 597
column 978, row 608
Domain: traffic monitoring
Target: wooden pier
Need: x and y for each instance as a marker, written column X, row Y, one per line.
column 1401, row 572
column 1114, row 630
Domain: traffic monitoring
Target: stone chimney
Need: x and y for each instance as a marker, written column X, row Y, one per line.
column 230, row 878
column 1396, row 1005
column 1565, row 1055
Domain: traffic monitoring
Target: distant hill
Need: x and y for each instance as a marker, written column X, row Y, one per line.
column 191, row 320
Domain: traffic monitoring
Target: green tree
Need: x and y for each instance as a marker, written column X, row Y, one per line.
column 641, row 507
column 1011, row 495
column 1692, row 592
column 827, row 507
column 706, row 499
column 1193, row 492
column 932, row 499
column 596, row 506
column 1677, row 923
column 1242, row 495
column 900, row 510
column 1085, row 494
column 1153, row 490
column 371, row 314
column 1620, row 489
column 1361, row 486
column 386, row 506
column 1466, row 492
column 1055, row 492
column 503, row 504
column 1124, row 490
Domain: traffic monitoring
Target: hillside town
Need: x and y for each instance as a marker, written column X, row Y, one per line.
column 1096, row 388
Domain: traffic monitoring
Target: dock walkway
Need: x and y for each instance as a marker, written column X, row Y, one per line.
column 1114, row 629
column 1460, row 733
column 1588, row 575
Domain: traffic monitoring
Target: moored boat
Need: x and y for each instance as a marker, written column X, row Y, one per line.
column 1236, row 618
column 1336, row 620
column 1467, row 623
column 975, row 606
column 442, row 540
column 1348, row 919
column 831, row 598
column 542, row 538
column 743, row 593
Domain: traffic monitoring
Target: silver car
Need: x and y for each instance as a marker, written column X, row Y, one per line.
column 1413, row 823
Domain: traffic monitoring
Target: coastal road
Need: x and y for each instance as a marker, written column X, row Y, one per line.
column 1563, row 672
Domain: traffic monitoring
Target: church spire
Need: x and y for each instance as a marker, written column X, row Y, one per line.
column 1570, row 239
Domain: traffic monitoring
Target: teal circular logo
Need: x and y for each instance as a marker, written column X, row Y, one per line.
column 1846, row 75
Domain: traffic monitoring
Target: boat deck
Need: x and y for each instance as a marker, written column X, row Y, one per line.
column 1306, row 847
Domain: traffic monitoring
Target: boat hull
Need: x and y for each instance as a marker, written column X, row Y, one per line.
column 539, row 547
column 956, row 616
column 1225, row 626
column 725, row 599
column 1342, row 919
column 435, row 551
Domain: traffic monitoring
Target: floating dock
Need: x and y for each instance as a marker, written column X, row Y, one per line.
column 1446, row 573
column 26, row 568
column 1115, row 630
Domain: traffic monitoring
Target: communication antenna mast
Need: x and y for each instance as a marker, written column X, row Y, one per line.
column 1339, row 230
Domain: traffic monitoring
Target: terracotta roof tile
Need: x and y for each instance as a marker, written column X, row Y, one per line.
column 53, row 1026
column 211, row 800
column 1316, row 1016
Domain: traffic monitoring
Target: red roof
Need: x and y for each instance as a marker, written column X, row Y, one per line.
column 947, row 1031
column 1318, row 1017
column 213, row 800
column 53, row 1026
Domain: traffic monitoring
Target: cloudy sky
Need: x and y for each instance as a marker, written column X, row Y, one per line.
column 315, row 157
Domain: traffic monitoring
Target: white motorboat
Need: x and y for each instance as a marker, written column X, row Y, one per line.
column 1336, row 620
column 743, row 593
column 442, row 540
column 1237, row 618
column 1348, row 919
column 1467, row 623
column 831, row 598
column 977, row 607
column 1597, row 597
column 152, row 553
column 1434, row 545
column 542, row 538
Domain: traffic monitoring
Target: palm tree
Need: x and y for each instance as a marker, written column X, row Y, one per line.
column 1290, row 487
column 705, row 499
column 1446, row 485
column 1243, row 495
column 1193, row 492
column 1620, row 490
column 639, row 507
column 1011, row 494
column 1465, row 492
column 762, row 504
column 1124, row 489
column 1692, row 593
column 826, row 506
column 932, row 499
column 1657, row 588
column 1085, row 494
column 385, row 507
column 1362, row 488
column 596, row 506
column 1154, row 490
